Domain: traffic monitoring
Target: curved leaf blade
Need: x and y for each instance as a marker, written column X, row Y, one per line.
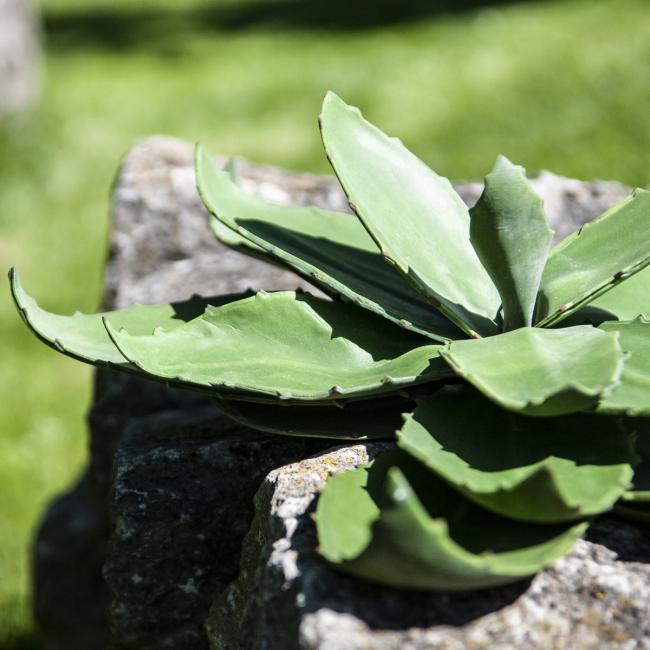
column 84, row 337
column 632, row 396
column 393, row 522
column 512, row 238
column 595, row 259
column 416, row 217
column 540, row 372
column 625, row 301
column 330, row 249
column 286, row 346
column 370, row 419
column 544, row 470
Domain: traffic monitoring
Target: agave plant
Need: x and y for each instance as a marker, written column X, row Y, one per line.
column 515, row 376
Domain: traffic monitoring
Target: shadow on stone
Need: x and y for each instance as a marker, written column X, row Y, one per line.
column 398, row 609
column 631, row 544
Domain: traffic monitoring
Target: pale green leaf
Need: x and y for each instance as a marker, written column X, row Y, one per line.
column 632, row 396
column 416, row 218
column 512, row 238
column 84, row 337
column 330, row 249
column 538, row 371
column 625, row 301
column 595, row 259
column 393, row 522
column 286, row 346
column 544, row 470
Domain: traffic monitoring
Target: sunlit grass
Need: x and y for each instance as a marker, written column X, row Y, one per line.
column 561, row 85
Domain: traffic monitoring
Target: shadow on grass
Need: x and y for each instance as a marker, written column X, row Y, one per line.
column 118, row 29
column 28, row 641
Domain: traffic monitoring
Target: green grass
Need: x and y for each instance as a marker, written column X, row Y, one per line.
column 561, row 85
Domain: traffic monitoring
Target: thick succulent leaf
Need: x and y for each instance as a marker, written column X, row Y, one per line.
column 237, row 242
column 541, row 372
column 395, row 523
column 595, row 259
column 353, row 420
column 543, row 470
column 625, row 301
column 84, row 337
column 286, row 346
column 419, row 222
column 632, row 396
column 330, row 249
column 512, row 238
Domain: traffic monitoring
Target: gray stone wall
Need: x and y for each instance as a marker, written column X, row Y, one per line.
column 181, row 513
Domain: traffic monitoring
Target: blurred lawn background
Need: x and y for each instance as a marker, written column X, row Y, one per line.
column 563, row 85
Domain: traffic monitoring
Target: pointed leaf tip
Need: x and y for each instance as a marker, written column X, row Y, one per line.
column 330, row 249
column 400, row 202
column 511, row 236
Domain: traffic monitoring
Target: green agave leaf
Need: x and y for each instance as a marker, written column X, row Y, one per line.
column 632, row 396
column 226, row 235
column 395, row 523
column 330, row 249
column 359, row 420
column 625, row 301
column 595, row 259
column 512, row 238
column 541, row 372
column 544, row 470
column 415, row 216
column 286, row 346
column 235, row 241
column 84, row 337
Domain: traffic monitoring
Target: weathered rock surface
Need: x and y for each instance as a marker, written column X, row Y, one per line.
column 598, row 596
column 117, row 560
column 19, row 56
column 135, row 554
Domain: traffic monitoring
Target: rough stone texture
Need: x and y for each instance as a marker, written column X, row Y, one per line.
column 146, row 439
column 596, row 597
column 133, row 556
column 19, row 56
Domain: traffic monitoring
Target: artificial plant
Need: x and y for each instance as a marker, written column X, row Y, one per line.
column 515, row 376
